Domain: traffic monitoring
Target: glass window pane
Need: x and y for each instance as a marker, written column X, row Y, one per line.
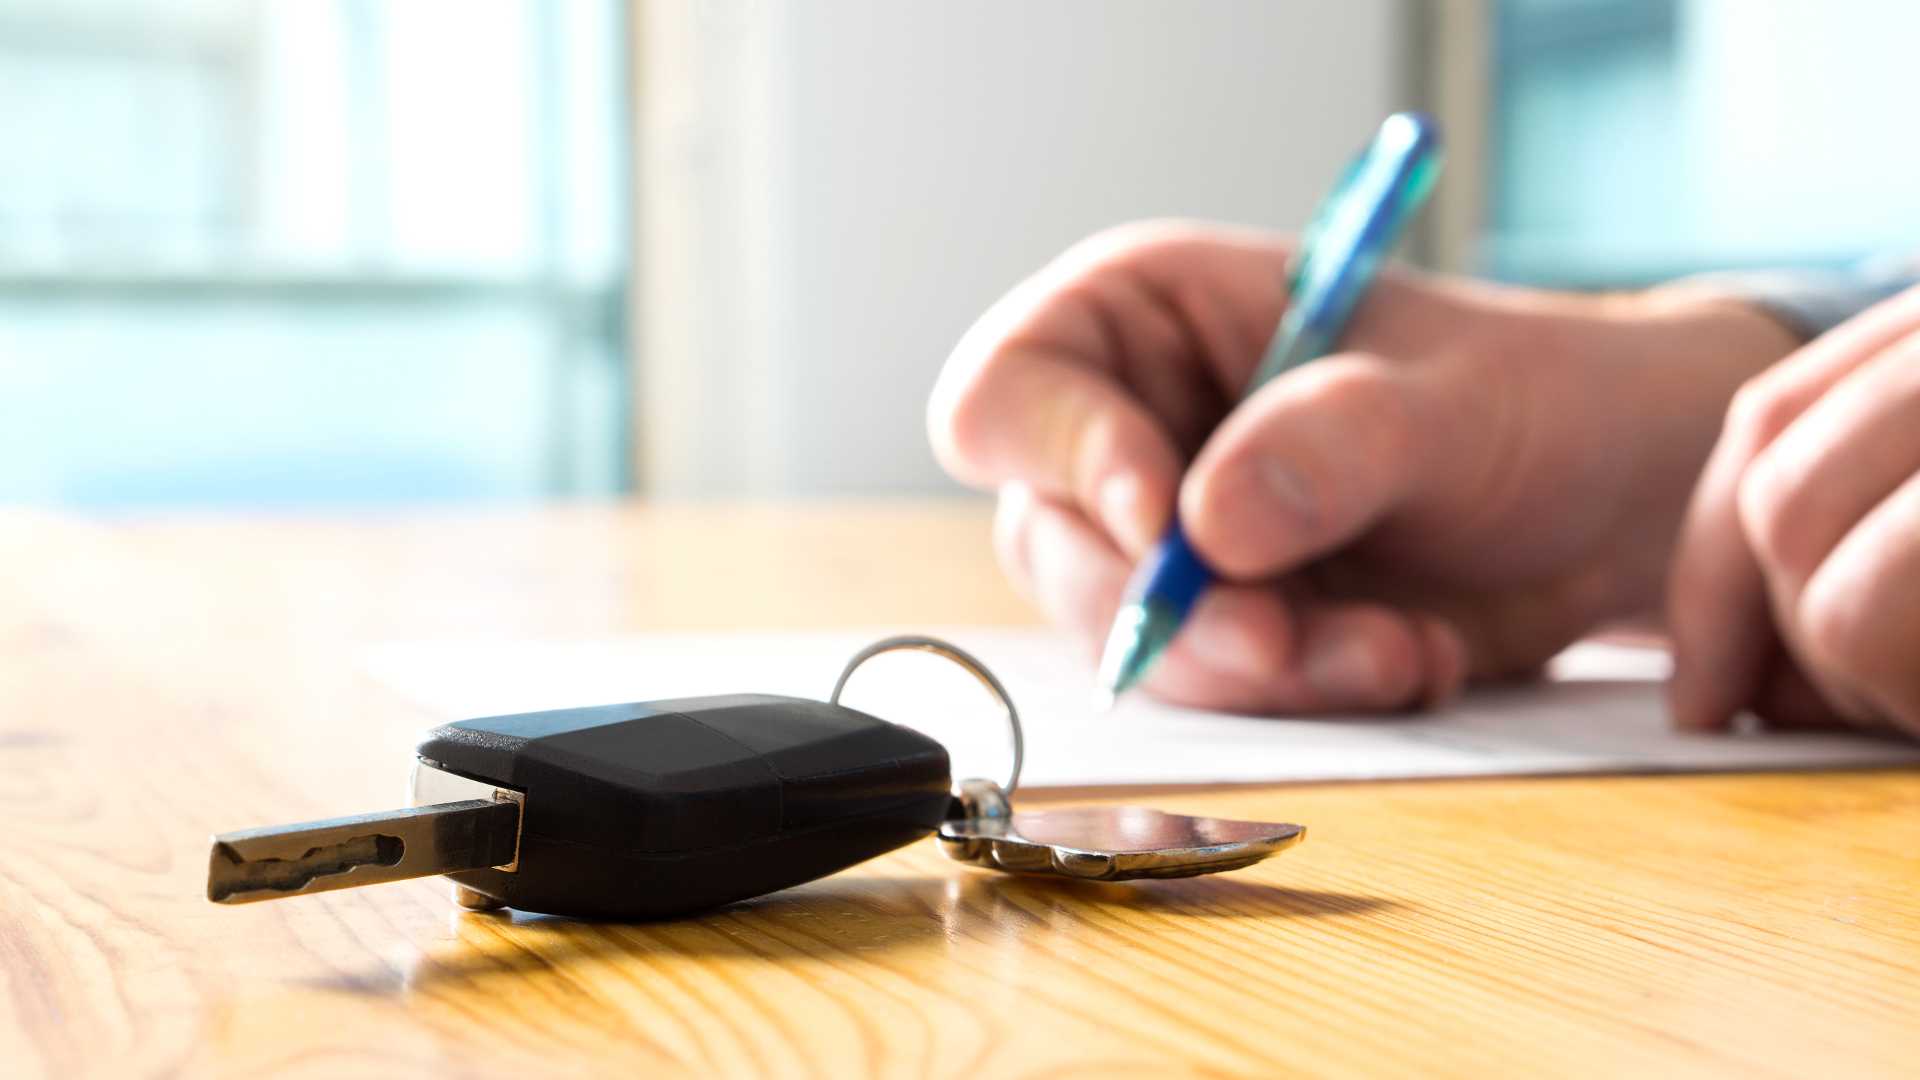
column 293, row 251
column 1642, row 139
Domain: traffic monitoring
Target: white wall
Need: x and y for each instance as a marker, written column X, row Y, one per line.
column 829, row 192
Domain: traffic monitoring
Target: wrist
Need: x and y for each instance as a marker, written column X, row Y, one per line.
column 1628, row 392
column 1720, row 331
column 1681, row 353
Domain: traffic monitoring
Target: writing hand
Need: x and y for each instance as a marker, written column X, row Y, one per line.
column 1482, row 477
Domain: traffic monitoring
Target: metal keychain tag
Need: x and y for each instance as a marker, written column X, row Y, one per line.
column 1093, row 843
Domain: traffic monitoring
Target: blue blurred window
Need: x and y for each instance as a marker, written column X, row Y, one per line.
column 312, row 251
column 1641, row 139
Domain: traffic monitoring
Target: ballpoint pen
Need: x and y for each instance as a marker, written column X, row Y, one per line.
column 1351, row 232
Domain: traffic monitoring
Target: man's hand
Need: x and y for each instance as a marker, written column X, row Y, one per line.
column 1796, row 590
column 1482, row 477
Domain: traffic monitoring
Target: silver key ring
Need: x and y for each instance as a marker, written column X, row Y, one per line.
column 967, row 662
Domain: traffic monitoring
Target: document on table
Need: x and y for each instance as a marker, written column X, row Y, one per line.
column 1600, row 710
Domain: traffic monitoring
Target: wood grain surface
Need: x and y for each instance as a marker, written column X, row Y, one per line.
column 166, row 679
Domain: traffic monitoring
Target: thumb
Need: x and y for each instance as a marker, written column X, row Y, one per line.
column 1302, row 466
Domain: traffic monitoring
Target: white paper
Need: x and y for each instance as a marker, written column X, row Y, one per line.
column 1601, row 711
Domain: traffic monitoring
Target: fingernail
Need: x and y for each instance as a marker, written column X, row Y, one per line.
column 1341, row 668
column 1120, row 511
column 1283, row 482
column 1271, row 499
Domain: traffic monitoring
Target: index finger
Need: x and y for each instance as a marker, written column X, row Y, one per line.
column 1094, row 380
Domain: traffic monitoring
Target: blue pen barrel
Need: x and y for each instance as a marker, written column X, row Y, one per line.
column 1351, row 234
column 1172, row 574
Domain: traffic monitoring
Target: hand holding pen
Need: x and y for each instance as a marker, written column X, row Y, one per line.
column 1448, row 490
column 1338, row 257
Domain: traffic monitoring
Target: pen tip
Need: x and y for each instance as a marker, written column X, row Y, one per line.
column 1140, row 633
column 1104, row 699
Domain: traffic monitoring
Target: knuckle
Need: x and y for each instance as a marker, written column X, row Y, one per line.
column 1837, row 632
column 963, row 419
column 1773, row 515
column 1759, row 411
column 1141, row 239
column 1137, row 234
column 1090, row 438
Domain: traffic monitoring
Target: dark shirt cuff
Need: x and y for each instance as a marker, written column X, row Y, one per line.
column 1812, row 302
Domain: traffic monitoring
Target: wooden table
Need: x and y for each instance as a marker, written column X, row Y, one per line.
column 167, row 679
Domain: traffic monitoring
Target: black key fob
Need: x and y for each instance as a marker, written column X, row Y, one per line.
column 662, row 808
column 665, row 808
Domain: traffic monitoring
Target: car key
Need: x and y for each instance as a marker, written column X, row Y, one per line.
column 638, row 810
column 664, row 808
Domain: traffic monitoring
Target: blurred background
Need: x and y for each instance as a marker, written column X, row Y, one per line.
column 297, row 253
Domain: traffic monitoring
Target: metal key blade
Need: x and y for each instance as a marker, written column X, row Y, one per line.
column 347, row 852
